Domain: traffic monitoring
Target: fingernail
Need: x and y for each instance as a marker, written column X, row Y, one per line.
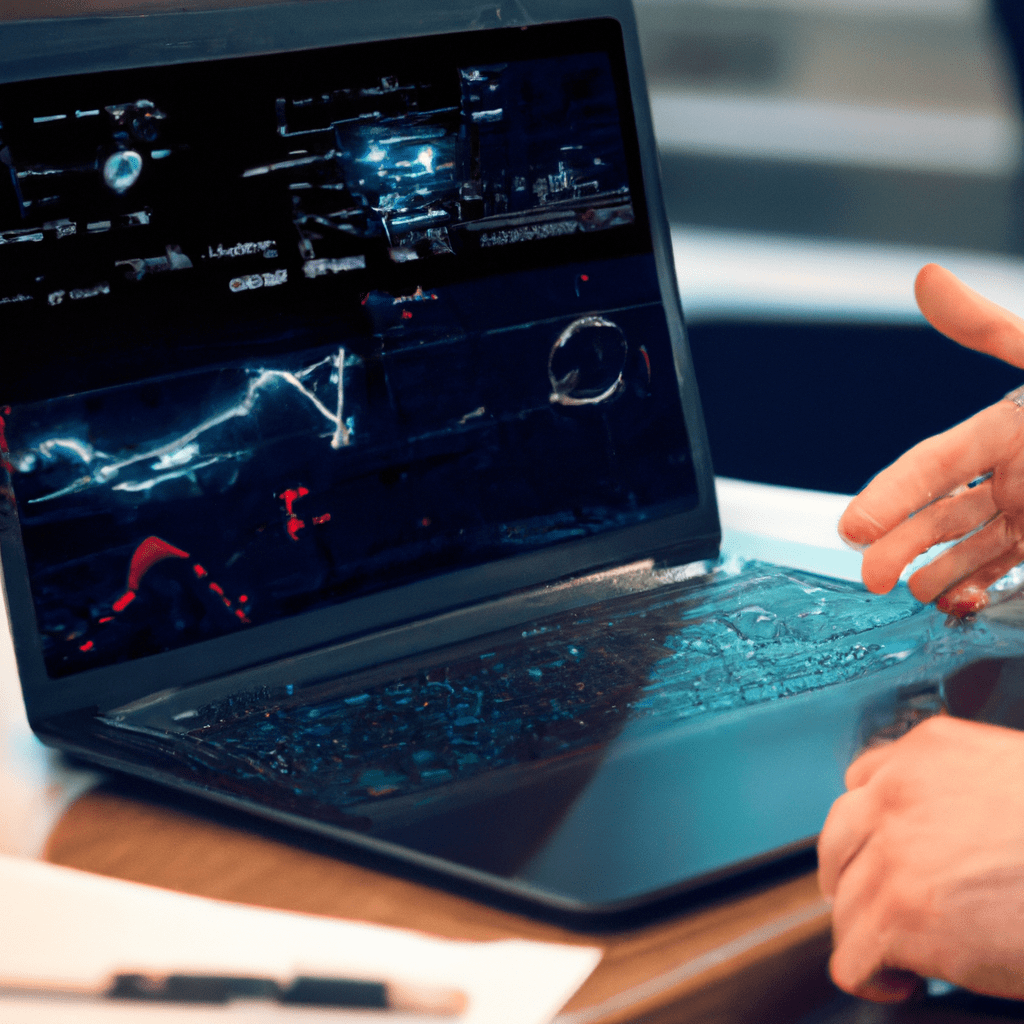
column 967, row 602
column 972, row 603
column 895, row 985
column 851, row 543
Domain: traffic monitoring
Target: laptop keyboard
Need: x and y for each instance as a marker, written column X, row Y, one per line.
column 739, row 636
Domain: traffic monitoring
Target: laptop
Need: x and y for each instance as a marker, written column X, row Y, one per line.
column 354, row 469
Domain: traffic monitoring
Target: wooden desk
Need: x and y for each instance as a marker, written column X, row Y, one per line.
column 752, row 958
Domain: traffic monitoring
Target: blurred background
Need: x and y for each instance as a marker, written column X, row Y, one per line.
column 815, row 154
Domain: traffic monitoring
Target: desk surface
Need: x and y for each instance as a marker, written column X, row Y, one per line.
column 757, row 957
column 760, row 955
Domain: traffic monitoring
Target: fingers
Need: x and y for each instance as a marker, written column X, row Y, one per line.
column 968, row 318
column 991, row 547
column 941, row 463
column 850, row 820
column 944, row 520
column 967, row 598
column 871, row 955
column 863, row 957
column 923, row 865
column 932, row 469
column 846, row 830
column 971, row 595
column 882, row 985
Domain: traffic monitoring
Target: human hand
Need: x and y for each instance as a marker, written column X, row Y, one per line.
column 923, row 498
column 924, row 859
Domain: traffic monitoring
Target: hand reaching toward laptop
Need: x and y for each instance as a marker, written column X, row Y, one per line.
column 926, row 496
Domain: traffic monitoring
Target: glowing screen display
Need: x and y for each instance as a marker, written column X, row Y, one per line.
column 287, row 330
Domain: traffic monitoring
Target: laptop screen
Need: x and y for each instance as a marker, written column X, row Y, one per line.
column 292, row 329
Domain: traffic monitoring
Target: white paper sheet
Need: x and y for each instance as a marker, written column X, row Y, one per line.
column 61, row 924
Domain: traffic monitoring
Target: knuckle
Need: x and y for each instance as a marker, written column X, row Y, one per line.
column 1007, row 534
column 930, row 726
column 937, row 729
column 937, row 453
column 891, row 791
column 906, row 908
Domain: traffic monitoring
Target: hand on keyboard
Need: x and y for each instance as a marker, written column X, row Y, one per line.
column 923, row 859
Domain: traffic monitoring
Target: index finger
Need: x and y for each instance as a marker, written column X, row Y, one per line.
column 968, row 318
column 932, row 469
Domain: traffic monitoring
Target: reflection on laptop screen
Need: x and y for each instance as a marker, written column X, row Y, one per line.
column 295, row 328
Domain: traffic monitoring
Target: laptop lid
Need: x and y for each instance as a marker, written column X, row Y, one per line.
column 340, row 326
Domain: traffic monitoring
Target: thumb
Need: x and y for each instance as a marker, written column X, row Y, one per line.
column 968, row 318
